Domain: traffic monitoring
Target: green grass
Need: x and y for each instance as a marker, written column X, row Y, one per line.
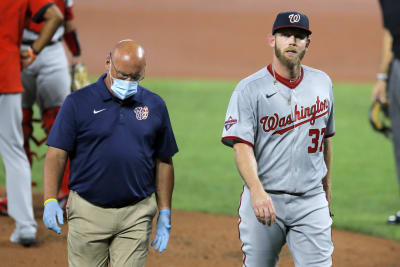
column 365, row 188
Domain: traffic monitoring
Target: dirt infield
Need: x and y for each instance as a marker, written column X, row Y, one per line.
column 219, row 39
column 198, row 240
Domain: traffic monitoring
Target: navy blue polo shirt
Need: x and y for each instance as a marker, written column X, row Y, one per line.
column 112, row 145
column 391, row 21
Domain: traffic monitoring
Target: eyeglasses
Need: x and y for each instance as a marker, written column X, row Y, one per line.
column 125, row 76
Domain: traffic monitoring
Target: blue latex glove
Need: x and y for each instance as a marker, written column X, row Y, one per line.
column 52, row 213
column 163, row 229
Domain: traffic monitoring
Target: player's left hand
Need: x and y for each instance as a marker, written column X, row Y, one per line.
column 163, row 230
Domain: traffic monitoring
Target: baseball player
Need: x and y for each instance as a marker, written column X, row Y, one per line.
column 47, row 81
column 18, row 177
column 388, row 78
column 278, row 122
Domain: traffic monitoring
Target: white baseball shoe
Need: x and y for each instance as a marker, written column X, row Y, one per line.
column 394, row 219
column 25, row 237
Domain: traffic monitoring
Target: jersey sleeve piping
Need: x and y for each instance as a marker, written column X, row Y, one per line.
column 231, row 140
column 329, row 135
column 38, row 17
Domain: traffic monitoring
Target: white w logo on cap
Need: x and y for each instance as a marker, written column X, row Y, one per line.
column 293, row 18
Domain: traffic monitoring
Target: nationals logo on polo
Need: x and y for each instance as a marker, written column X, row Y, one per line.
column 141, row 112
column 301, row 116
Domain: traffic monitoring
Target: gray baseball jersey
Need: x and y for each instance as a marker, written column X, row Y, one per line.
column 285, row 122
column 285, row 126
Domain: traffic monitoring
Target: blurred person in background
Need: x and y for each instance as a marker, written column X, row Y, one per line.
column 47, row 81
column 387, row 86
column 14, row 16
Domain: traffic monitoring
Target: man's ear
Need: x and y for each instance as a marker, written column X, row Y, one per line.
column 271, row 40
column 308, row 42
column 107, row 63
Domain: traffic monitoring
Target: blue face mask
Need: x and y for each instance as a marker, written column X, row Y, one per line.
column 123, row 89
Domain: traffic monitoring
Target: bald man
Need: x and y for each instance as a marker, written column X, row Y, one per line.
column 118, row 137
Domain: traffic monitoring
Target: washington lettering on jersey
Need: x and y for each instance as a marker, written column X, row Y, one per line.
column 304, row 115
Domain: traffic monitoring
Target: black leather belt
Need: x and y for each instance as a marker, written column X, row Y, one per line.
column 30, row 42
column 278, row 192
column 112, row 206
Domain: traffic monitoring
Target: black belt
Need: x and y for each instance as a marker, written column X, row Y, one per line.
column 30, row 42
column 123, row 205
column 113, row 206
column 279, row 192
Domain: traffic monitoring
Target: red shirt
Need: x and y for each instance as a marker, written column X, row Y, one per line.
column 65, row 7
column 14, row 15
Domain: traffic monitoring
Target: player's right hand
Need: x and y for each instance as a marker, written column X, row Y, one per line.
column 379, row 92
column 52, row 213
column 263, row 207
column 27, row 57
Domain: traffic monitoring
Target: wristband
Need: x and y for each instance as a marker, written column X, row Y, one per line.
column 50, row 199
column 382, row 76
column 32, row 53
column 71, row 39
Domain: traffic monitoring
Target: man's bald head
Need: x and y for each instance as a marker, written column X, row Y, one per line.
column 128, row 50
column 126, row 61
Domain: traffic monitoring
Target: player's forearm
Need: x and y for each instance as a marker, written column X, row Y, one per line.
column 247, row 166
column 387, row 54
column 53, row 171
column 164, row 183
column 326, row 182
column 53, row 19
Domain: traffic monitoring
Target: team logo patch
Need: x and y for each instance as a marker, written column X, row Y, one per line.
column 229, row 123
column 294, row 18
column 141, row 112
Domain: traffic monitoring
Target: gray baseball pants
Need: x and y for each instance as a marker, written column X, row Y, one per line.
column 394, row 110
column 18, row 172
column 47, row 81
column 303, row 222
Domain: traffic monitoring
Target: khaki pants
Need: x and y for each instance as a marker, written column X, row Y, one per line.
column 99, row 236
